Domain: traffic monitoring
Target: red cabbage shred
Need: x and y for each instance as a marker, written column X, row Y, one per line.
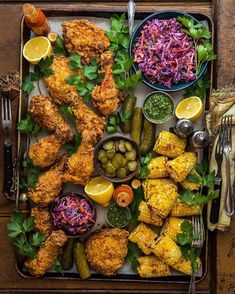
column 164, row 53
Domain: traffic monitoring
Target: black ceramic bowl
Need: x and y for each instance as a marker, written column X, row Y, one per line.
column 64, row 226
column 167, row 14
column 101, row 171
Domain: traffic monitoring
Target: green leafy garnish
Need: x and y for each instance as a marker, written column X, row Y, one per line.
column 20, row 229
column 58, row 267
column 204, row 53
column 112, row 124
column 32, row 174
column 72, row 146
column 133, row 253
column 58, row 47
column 67, row 111
column 28, row 126
column 190, row 253
column 144, row 170
column 191, row 198
column 199, row 88
column 75, row 62
column 138, row 197
column 129, row 82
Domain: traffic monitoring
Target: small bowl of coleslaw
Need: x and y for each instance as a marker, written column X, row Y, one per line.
column 74, row 213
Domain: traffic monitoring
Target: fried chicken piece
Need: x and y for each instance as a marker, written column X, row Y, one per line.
column 80, row 165
column 48, row 185
column 45, row 113
column 42, row 220
column 85, row 38
column 56, row 84
column 46, row 151
column 47, row 254
column 106, row 97
column 106, row 250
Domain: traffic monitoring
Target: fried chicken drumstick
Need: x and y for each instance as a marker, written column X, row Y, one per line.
column 48, row 185
column 47, row 254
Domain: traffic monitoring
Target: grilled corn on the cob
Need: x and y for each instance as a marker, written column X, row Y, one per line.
column 152, row 267
column 189, row 185
column 148, row 215
column 144, row 237
column 152, row 186
column 181, row 166
column 157, row 168
column 184, row 265
column 180, row 209
column 167, row 250
column 163, row 199
column 172, row 227
column 169, row 144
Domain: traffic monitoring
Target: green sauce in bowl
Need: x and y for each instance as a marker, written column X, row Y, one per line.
column 158, row 107
column 118, row 216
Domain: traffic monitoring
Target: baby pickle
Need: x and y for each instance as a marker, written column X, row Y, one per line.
column 128, row 107
column 80, row 261
column 67, row 256
column 149, row 137
column 136, row 125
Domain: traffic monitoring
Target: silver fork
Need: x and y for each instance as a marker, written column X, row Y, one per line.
column 198, row 230
column 229, row 201
column 7, row 128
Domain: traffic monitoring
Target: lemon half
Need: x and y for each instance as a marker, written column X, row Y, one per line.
column 190, row 108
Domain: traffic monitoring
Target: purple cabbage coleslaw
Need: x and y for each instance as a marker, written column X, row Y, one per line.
column 74, row 214
column 164, row 53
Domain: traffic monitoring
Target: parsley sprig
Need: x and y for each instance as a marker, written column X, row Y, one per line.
column 138, row 197
column 133, row 253
column 32, row 173
column 42, row 69
column 66, row 110
column 72, row 146
column 199, row 88
column 144, row 162
column 21, row 230
column 58, row 47
column 201, row 36
column 114, row 121
column 28, row 126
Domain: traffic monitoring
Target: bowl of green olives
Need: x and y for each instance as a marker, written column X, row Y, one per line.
column 117, row 158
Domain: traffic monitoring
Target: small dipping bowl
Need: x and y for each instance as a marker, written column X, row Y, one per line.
column 158, row 106
column 74, row 213
column 121, row 213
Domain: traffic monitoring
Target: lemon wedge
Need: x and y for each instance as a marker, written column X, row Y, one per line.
column 190, row 108
column 36, row 49
column 100, row 190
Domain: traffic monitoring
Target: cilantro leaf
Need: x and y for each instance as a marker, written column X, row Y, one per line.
column 144, row 170
column 113, row 123
column 129, row 82
column 28, row 126
column 72, row 146
column 58, row 47
column 133, row 252
column 138, row 197
column 32, row 173
column 66, row 110
column 199, row 88
column 90, row 72
column 74, row 79
column 146, row 159
column 111, row 129
column 27, row 85
column 75, row 62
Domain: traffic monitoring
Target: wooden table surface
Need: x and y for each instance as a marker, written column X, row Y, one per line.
column 221, row 277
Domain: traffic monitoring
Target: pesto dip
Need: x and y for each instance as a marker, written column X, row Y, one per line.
column 158, row 107
column 118, row 216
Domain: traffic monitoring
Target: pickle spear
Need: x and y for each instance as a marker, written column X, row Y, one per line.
column 67, row 256
column 127, row 108
column 136, row 125
column 148, row 138
column 80, row 261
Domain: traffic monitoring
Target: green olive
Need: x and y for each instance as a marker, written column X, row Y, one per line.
column 121, row 146
column 124, row 162
column 110, row 169
column 110, row 154
column 132, row 165
column 108, row 145
column 117, row 159
column 131, row 155
column 101, row 153
column 121, row 173
column 104, row 159
column 128, row 145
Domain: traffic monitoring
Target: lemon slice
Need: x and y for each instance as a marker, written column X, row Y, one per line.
column 100, row 190
column 190, row 108
column 36, row 49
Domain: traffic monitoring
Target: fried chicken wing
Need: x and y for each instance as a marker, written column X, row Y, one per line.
column 46, row 151
column 106, row 97
column 47, row 114
column 106, row 250
column 47, row 254
column 56, row 84
column 85, row 38
column 42, row 220
column 48, row 185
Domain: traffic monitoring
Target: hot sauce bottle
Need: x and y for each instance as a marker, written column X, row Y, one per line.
column 36, row 20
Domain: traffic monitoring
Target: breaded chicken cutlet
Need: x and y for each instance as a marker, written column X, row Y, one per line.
column 42, row 220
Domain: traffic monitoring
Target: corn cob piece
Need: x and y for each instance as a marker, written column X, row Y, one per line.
column 148, row 215
column 163, row 199
column 172, row 227
column 167, row 250
column 157, row 168
column 152, row 267
column 181, row 166
column 151, row 186
column 189, row 185
column 144, row 237
column 184, row 265
column 169, row 144
column 180, row 209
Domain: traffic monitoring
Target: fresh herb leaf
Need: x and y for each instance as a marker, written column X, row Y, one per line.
column 58, row 47
column 58, row 266
column 75, row 62
column 112, row 124
column 204, row 53
column 138, row 197
column 66, row 110
column 74, row 79
column 28, row 126
column 144, row 170
column 129, row 82
column 28, row 85
column 44, row 65
column 125, row 116
column 133, row 253
column 190, row 198
column 146, row 159
column 199, row 88
column 90, row 72
column 28, row 224
column 72, row 146
column 37, row 239
column 32, row 173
